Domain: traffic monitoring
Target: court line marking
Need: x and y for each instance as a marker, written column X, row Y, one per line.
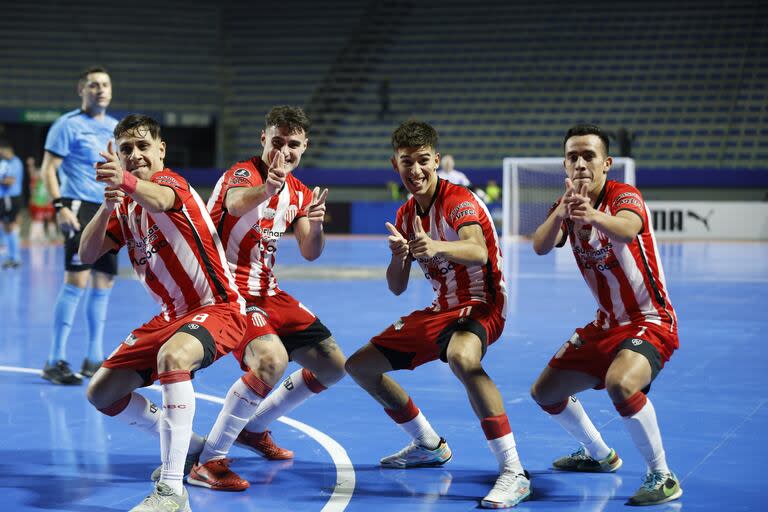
column 345, row 471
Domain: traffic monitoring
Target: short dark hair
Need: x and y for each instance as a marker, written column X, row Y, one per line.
column 137, row 123
column 88, row 71
column 294, row 119
column 588, row 129
column 414, row 134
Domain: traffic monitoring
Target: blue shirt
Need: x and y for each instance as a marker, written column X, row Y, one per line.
column 13, row 168
column 77, row 138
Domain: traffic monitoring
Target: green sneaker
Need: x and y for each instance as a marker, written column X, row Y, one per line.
column 658, row 487
column 163, row 499
column 580, row 461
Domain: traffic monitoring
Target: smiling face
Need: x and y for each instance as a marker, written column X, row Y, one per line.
column 586, row 162
column 140, row 153
column 418, row 169
column 278, row 139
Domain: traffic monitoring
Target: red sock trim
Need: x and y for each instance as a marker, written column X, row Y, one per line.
column 405, row 414
column 311, row 381
column 555, row 408
column 174, row 376
column 633, row 404
column 495, row 426
column 256, row 385
column 117, row 407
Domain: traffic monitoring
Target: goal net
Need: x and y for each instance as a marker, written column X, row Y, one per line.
column 532, row 185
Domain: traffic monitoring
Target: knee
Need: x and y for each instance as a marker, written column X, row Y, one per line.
column 271, row 363
column 620, row 387
column 536, row 393
column 462, row 363
column 173, row 356
column 97, row 395
column 330, row 374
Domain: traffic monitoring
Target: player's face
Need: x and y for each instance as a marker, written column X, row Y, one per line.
column 96, row 91
column 586, row 162
column 140, row 153
column 277, row 140
column 418, row 169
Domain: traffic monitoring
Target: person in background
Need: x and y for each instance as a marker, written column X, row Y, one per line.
column 11, row 181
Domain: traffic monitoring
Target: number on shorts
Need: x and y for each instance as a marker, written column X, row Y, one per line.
column 200, row 318
column 465, row 311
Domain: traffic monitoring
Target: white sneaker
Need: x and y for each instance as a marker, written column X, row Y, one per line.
column 163, row 499
column 414, row 455
column 510, row 489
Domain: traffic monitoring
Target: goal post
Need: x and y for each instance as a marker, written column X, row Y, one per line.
column 532, row 185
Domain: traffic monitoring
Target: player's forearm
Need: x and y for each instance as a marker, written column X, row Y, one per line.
column 92, row 238
column 464, row 252
column 240, row 201
column 547, row 234
column 312, row 244
column 48, row 171
column 618, row 229
column 398, row 272
column 153, row 197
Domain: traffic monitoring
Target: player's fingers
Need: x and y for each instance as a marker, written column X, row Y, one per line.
column 392, row 229
column 323, row 195
column 584, row 189
column 419, row 229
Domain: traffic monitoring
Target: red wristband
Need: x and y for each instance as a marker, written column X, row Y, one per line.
column 129, row 183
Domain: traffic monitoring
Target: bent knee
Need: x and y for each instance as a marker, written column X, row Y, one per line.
column 620, row 387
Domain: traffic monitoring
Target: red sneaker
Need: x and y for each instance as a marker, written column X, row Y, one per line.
column 262, row 443
column 216, row 475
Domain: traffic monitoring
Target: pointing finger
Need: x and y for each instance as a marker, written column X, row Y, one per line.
column 392, row 229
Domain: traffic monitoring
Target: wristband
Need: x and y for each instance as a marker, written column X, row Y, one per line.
column 58, row 204
column 129, row 183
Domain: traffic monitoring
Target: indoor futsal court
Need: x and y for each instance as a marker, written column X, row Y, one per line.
column 60, row 454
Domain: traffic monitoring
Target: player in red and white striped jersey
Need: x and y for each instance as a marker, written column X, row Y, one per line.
column 635, row 331
column 253, row 204
column 176, row 252
column 449, row 232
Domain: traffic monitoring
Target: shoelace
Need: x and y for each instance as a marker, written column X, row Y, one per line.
column 408, row 449
column 581, row 453
column 507, row 480
column 654, row 480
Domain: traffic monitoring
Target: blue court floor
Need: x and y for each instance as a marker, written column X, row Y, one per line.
column 58, row 453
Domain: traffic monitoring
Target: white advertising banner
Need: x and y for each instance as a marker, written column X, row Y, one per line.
column 710, row 220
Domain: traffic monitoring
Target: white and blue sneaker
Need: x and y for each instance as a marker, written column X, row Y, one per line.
column 415, row 456
column 511, row 488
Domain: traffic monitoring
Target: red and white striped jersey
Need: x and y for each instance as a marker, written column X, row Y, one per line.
column 177, row 254
column 454, row 284
column 626, row 279
column 250, row 242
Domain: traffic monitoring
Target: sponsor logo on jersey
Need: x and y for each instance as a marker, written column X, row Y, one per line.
column 167, row 180
column 242, row 173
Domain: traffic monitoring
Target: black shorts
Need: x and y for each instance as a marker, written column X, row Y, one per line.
column 84, row 210
column 9, row 208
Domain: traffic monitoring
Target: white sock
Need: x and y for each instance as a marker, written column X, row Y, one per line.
column 644, row 430
column 421, row 431
column 175, row 431
column 505, row 450
column 575, row 421
column 239, row 405
column 282, row 400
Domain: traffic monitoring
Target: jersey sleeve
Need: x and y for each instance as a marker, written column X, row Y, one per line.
column 240, row 175
column 461, row 209
column 115, row 230
column 629, row 198
column 59, row 138
column 400, row 222
column 176, row 183
column 305, row 199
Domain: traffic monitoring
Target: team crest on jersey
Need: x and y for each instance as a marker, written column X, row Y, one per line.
column 584, row 232
column 269, row 213
column 399, row 324
column 290, row 213
column 131, row 340
column 242, row 173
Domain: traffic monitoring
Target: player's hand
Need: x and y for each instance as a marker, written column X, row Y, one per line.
column 581, row 210
column 422, row 246
column 112, row 196
column 397, row 242
column 563, row 208
column 316, row 210
column 276, row 174
column 67, row 221
column 110, row 171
